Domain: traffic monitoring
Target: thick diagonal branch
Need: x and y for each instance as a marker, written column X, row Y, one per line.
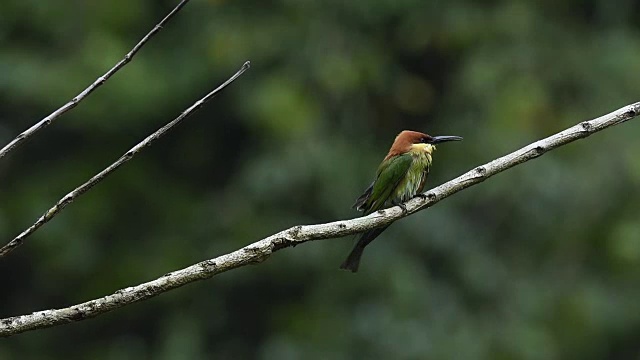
column 96, row 84
column 67, row 199
column 261, row 250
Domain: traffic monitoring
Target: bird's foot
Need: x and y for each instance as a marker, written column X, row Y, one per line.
column 402, row 206
column 422, row 196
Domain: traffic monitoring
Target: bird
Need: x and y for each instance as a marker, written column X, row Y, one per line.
column 400, row 177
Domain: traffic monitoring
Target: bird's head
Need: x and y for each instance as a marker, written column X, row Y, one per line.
column 408, row 141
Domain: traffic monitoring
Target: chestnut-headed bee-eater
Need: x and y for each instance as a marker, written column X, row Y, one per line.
column 400, row 177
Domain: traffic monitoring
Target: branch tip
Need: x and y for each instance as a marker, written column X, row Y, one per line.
column 87, row 91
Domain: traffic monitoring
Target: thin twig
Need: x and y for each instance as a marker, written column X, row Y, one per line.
column 261, row 250
column 63, row 202
column 96, row 84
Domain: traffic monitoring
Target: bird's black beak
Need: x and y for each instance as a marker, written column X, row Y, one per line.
column 441, row 139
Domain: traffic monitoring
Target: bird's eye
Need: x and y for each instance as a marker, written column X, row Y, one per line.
column 424, row 140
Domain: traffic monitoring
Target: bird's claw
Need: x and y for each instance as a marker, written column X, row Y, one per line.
column 422, row 196
column 402, row 206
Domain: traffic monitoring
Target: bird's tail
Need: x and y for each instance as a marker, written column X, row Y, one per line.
column 352, row 262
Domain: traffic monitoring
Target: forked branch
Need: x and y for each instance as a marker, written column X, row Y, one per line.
column 261, row 250
column 67, row 199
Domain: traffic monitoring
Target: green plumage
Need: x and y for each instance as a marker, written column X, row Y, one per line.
column 398, row 179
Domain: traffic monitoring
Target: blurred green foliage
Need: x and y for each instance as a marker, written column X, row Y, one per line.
column 542, row 262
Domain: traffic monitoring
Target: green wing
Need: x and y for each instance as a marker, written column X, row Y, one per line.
column 390, row 174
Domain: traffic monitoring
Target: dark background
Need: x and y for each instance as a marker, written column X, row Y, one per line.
column 541, row 262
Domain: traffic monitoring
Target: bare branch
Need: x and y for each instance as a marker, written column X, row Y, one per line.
column 101, row 80
column 67, row 199
column 261, row 250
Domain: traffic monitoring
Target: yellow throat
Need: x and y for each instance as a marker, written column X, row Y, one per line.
column 423, row 151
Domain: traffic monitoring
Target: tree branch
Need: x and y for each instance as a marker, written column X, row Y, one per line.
column 261, row 250
column 101, row 80
column 67, row 199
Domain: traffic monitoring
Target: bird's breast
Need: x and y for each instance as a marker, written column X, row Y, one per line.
column 415, row 178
